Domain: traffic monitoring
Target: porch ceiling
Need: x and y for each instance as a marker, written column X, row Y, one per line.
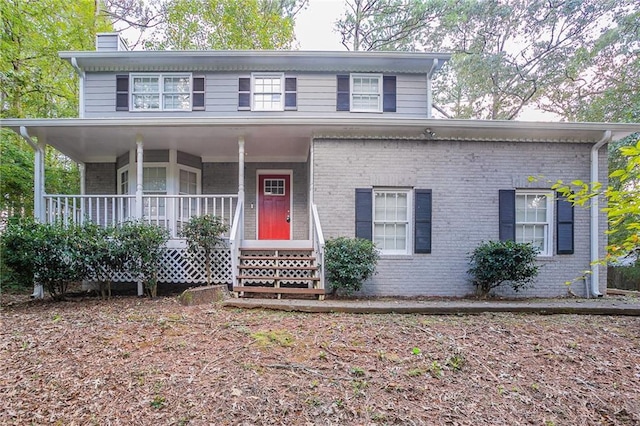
column 281, row 139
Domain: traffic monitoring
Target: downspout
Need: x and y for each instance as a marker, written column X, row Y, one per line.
column 74, row 64
column 594, row 234
column 38, row 186
column 429, row 89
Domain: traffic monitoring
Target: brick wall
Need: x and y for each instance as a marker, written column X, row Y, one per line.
column 465, row 178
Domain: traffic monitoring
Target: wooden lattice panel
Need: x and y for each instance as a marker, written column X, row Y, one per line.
column 181, row 266
column 286, row 267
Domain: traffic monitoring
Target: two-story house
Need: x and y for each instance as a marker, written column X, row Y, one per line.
column 292, row 148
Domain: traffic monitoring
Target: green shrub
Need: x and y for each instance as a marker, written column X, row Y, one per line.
column 204, row 233
column 503, row 262
column 144, row 244
column 17, row 245
column 106, row 254
column 349, row 262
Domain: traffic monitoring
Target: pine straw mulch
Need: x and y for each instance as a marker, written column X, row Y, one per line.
column 131, row 361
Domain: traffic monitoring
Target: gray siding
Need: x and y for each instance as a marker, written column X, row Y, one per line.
column 222, row 178
column 100, row 178
column 465, row 178
column 189, row 160
column 316, row 96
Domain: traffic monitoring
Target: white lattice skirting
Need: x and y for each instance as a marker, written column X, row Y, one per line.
column 181, row 266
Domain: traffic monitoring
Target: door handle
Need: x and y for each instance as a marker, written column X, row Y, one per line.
column 288, row 217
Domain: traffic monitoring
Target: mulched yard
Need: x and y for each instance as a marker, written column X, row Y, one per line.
column 131, row 361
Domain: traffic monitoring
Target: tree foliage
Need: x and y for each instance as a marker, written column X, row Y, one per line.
column 623, row 202
column 35, row 82
column 506, row 55
column 224, row 24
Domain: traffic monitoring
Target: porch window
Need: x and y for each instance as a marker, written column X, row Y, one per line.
column 188, row 185
column 154, row 182
column 391, row 219
column 161, row 92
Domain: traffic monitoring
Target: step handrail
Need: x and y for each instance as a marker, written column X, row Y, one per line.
column 318, row 243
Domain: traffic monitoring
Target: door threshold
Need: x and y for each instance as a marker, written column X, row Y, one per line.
column 293, row 244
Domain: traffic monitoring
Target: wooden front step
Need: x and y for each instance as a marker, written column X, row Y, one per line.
column 289, row 270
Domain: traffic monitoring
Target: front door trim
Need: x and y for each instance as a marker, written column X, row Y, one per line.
column 291, row 183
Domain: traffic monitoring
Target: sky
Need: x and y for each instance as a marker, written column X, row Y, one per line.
column 314, row 25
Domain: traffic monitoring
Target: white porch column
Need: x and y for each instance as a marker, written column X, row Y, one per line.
column 139, row 187
column 241, row 169
column 83, row 178
column 38, row 184
column 139, row 176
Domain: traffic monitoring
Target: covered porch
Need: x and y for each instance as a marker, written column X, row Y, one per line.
column 167, row 174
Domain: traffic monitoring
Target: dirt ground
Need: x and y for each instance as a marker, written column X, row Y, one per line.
column 133, row 361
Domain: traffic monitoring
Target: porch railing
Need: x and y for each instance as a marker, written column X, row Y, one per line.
column 168, row 211
column 235, row 239
column 318, row 242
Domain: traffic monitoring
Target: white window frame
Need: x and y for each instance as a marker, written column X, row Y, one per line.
column 121, row 171
column 408, row 222
column 161, row 93
column 256, row 76
column 547, row 249
column 352, row 92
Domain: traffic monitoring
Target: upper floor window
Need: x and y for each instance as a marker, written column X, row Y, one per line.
column 267, row 92
column 366, row 93
column 159, row 92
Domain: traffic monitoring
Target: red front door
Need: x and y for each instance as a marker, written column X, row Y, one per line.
column 274, row 204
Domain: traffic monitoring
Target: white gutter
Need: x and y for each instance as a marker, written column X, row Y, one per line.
column 594, row 234
column 74, row 64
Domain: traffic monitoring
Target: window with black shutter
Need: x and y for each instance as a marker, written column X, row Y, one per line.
column 364, row 212
column 564, row 226
column 198, row 93
column 290, row 93
column 122, row 92
column 507, row 214
column 389, row 93
column 244, row 93
column 342, row 94
column 422, row 231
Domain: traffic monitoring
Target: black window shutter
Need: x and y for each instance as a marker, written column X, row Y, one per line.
column 507, row 214
column 244, row 93
column 290, row 93
column 198, row 94
column 364, row 213
column 389, row 93
column 342, row 94
column 122, row 92
column 422, row 243
column 564, row 226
